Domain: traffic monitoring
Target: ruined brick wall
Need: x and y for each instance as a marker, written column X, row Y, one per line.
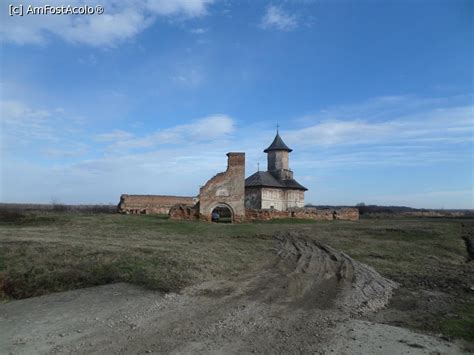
column 184, row 212
column 317, row 214
column 151, row 204
column 265, row 215
column 227, row 188
column 349, row 214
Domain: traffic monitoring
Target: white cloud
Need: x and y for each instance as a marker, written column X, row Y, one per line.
column 198, row 31
column 432, row 136
column 107, row 29
column 19, row 120
column 50, row 132
column 122, row 20
column 445, row 124
column 211, row 128
column 67, row 150
column 339, row 132
column 188, row 77
column 178, row 171
column 44, row 159
column 190, row 8
column 276, row 18
column 89, row 60
column 114, row 135
column 15, row 111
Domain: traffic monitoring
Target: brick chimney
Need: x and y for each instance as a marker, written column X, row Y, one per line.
column 235, row 160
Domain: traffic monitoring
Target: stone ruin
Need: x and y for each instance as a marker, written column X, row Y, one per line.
column 327, row 214
column 224, row 190
column 152, row 204
column 184, row 212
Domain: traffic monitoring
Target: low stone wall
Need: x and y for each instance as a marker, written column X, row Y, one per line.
column 265, row 215
column 184, row 212
column 349, row 214
column 151, row 204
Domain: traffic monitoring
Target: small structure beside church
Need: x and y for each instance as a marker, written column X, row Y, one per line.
column 275, row 188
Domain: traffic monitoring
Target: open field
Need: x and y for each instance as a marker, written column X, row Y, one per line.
column 48, row 252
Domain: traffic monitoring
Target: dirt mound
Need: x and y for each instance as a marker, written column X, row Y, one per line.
column 328, row 275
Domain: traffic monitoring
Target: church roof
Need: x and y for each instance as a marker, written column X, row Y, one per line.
column 262, row 178
column 278, row 144
column 293, row 184
column 265, row 179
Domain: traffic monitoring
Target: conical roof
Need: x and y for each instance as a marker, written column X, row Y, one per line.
column 278, row 144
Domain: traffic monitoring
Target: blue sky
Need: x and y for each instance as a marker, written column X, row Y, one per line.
column 374, row 97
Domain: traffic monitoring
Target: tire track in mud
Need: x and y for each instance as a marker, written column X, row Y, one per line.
column 358, row 287
column 294, row 304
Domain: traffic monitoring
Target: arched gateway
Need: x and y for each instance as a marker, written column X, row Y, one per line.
column 226, row 189
column 224, row 213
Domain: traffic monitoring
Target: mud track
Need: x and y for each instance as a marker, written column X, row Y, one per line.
column 304, row 300
column 354, row 287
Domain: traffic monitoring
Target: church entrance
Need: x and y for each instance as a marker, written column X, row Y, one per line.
column 222, row 214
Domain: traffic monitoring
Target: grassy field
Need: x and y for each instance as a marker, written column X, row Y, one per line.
column 48, row 252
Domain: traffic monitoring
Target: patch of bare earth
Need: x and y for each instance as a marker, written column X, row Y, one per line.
column 303, row 301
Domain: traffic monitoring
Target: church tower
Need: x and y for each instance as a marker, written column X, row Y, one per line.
column 274, row 188
column 278, row 159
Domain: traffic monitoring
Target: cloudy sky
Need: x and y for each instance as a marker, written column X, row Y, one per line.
column 374, row 97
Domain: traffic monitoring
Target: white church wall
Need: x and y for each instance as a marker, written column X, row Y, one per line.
column 281, row 200
column 273, row 198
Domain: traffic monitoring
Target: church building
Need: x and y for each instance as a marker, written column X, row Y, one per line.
column 275, row 188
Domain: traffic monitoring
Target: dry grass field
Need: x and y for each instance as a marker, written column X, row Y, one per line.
column 45, row 252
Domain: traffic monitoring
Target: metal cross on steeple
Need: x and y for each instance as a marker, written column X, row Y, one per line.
column 278, row 126
column 258, row 166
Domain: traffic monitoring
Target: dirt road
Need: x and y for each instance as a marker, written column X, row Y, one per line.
column 304, row 301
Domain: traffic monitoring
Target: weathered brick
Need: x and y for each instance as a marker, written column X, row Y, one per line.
column 225, row 189
column 351, row 214
column 151, row 204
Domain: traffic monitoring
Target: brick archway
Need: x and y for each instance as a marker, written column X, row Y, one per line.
column 225, row 217
column 225, row 188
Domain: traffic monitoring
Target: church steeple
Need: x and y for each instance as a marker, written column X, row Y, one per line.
column 277, row 158
column 278, row 144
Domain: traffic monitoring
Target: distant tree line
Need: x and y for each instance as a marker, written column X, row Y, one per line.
column 391, row 210
column 56, row 207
